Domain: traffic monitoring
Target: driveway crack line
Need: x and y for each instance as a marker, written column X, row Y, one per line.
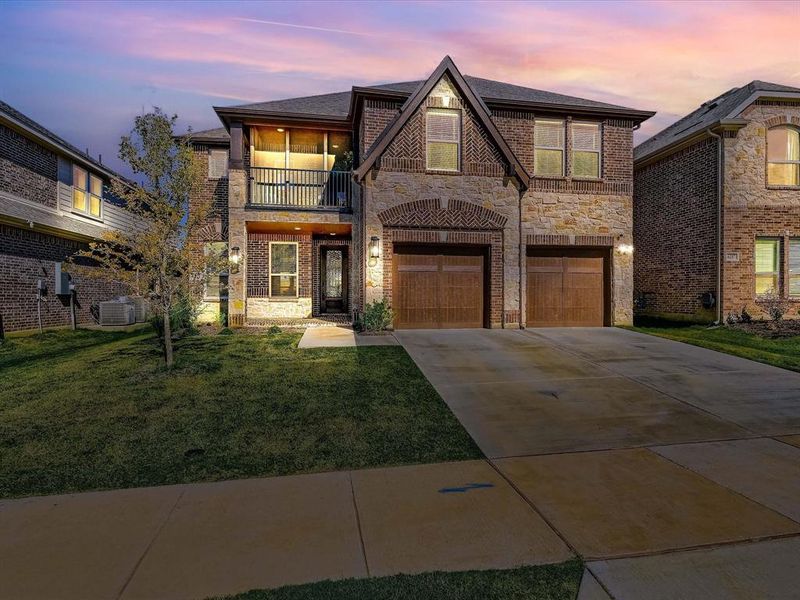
column 358, row 522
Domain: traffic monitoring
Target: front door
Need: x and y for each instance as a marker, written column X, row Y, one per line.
column 333, row 280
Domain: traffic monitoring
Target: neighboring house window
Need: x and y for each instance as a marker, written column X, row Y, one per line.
column 548, row 150
column 586, row 150
column 783, row 156
column 767, row 261
column 443, row 127
column 87, row 192
column 794, row 268
column 283, row 269
column 217, row 164
column 216, row 283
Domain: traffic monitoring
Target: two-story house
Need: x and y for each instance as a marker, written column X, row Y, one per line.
column 463, row 202
column 54, row 200
column 717, row 207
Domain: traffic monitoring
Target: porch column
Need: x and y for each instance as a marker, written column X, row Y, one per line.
column 237, row 227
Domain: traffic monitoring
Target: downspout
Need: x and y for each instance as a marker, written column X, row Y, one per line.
column 720, row 173
column 523, row 267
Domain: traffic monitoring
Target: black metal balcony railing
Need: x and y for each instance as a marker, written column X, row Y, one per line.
column 305, row 188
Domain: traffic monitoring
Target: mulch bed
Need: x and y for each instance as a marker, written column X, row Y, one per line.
column 785, row 328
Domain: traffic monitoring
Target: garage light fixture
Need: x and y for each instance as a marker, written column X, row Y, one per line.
column 374, row 250
column 234, row 259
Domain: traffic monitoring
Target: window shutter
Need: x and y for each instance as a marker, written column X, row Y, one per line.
column 217, row 164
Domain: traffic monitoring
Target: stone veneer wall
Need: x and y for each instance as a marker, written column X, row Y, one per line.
column 753, row 209
column 675, row 230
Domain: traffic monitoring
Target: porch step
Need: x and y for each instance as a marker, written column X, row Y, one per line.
column 292, row 323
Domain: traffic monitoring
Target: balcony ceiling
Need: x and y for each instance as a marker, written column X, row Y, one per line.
column 299, row 227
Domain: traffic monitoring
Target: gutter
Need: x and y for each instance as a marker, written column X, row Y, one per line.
column 720, row 174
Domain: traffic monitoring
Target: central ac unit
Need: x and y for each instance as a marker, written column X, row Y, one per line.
column 117, row 313
column 140, row 306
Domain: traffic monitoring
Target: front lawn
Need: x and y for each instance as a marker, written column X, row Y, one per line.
column 96, row 410
column 545, row 582
column 780, row 352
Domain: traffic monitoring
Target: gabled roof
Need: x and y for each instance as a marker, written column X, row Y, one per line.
column 218, row 135
column 338, row 106
column 710, row 114
column 26, row 125
column 446, row 67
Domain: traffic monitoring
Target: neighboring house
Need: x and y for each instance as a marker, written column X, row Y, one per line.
column 717, row 207
column 463, row 202
column 54, row 200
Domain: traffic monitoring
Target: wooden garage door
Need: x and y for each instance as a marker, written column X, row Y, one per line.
column 566, row 291
column 437, row 288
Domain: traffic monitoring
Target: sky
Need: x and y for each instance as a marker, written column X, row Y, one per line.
column 85, row 69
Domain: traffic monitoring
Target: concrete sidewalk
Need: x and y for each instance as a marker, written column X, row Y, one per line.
column 201, row 540
column 342, row 337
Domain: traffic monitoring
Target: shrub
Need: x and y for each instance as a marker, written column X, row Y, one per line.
column 745, row 317
column 377, row 316
column 183, row 319
column 732, row 318
column 273, row 330
column 774, row 305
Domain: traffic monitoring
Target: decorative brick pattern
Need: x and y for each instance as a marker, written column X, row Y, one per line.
column 27, row 256
column 674, row 231
column 493, row 240
column 27, row 169
column 436, row 213
column 544, row 239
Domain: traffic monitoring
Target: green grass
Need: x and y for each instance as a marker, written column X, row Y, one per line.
column 784, row 352
column 97, row 410
column 546, row 582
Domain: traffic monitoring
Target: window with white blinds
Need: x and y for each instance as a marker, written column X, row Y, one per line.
column 586, row 150
column 548, row 141
column 767, row 265
column 794, row 268
column 443, row 134
column 217, row 164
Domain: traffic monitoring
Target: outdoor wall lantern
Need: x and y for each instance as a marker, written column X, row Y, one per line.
column 374, row 250
column 625, row 248
column 234, row 259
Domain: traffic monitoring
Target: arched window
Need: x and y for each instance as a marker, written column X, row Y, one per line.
column 783, row 156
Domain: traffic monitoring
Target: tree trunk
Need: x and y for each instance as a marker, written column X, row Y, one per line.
column 167, row 338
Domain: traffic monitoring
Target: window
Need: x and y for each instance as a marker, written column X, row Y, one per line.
column 217, row 164
column 783, row 156
column 283, row 269
column 586, row 150
column 767, row 261
column 443, row 127
column 216, row 284
column 794, row 268
column 87, row 192
column 548, row 141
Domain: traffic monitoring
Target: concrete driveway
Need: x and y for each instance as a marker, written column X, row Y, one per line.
column 672, row 469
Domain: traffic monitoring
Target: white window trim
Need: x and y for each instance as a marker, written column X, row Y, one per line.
column 777, row 273
column 296, row 273
column 562, row 149
column 457, row 113
column 599, row 152
column 780, row 162
column 87, row 194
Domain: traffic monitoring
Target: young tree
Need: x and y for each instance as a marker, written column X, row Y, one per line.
column 162, row 257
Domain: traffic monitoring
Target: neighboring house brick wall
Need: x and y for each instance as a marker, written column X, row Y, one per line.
column 753, row 209
column 27, row 169
column 674, row 231
column 27, row 256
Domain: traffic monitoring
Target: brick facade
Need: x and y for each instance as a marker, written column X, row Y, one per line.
column 674, row 232
column 215, row 192
column 27, row 256
column 27, row 170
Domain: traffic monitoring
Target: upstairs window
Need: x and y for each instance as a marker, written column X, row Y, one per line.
column 548, row 141
column 794, row 268
column 283, row 269
column 217, row 164
column 586, row 150
column 443, row 130
column 783, row 156
column 87, row 192
column 767, row 261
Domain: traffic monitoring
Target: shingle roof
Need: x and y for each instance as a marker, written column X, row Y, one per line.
column 338, row 104
column 219, row 134
column 27, row 122
column 708, row 114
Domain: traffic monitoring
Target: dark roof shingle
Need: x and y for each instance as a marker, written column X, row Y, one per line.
column 706, row 115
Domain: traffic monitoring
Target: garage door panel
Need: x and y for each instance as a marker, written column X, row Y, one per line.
column 438, row 290
column 566, row 291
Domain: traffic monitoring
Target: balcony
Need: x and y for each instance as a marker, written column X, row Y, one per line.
column 301, row 188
